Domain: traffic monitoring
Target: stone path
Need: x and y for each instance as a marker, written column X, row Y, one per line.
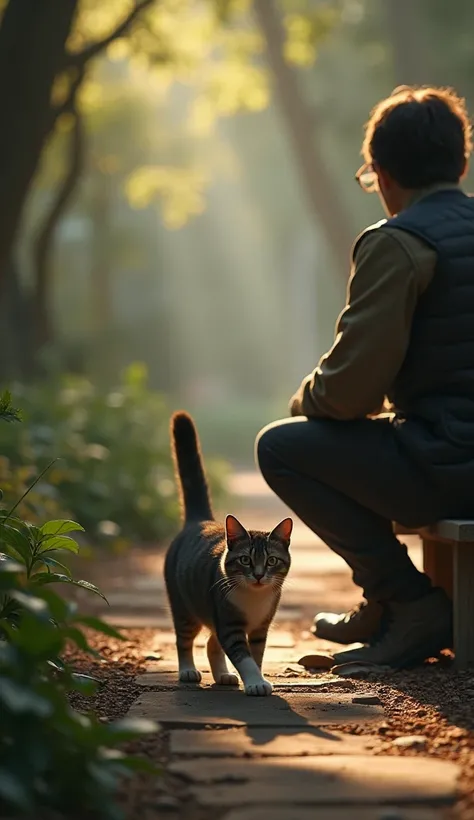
column 311, row 751
column 284, row 757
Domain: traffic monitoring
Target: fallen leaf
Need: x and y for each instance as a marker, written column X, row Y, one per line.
column 357, row 670
column 319, row 661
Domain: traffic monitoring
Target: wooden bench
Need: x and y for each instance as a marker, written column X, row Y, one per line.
column 448, row 558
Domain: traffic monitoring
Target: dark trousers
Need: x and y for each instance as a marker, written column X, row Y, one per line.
column 348, row 481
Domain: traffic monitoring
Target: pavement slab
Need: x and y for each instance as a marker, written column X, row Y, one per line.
column 267, row 743
column 318, row 780
column 221, row 707
column 325, row 813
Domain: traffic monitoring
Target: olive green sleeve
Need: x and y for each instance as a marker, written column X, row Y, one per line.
column 391, row 270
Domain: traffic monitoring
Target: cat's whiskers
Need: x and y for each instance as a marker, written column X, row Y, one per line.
column 220, row 582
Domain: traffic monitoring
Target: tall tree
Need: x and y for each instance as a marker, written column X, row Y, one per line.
column 33, row 53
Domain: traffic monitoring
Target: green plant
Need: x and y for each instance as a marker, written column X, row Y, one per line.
column 51, row 757
column 114, row 472
column 35, row 549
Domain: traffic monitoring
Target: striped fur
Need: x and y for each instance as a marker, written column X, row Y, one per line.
column 223, row 577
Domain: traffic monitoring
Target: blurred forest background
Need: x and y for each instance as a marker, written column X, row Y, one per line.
column 178, row 203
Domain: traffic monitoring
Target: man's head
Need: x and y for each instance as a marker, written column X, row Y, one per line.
column 415, row 138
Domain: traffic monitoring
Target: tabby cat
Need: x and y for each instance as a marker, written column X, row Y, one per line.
column 224, row 578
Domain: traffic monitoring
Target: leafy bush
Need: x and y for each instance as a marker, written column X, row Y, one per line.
column 114, row 474
column 51, row 757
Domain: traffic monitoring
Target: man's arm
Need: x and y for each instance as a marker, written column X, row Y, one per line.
column 391, row 270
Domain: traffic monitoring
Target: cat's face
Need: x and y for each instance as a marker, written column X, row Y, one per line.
column 257, row 560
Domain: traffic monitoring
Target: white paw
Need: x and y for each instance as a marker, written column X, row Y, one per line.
column 228, row 679
column 190, row 676
column 261, row 688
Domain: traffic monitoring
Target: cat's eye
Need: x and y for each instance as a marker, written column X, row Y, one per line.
column 245, row 560
column 272, row 561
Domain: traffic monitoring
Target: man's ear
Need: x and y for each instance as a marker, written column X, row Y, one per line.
column 234, row 531
column 282, row 531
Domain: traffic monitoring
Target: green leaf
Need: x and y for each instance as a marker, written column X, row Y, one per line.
column 7, row 411
column 130, row 728
column 57, row 542
column 20, row 699
column 39, row 639
column 52, row 562
column 80, row 640
column 41, row 578
column 131, row 763
column 30, row 602
column 13, row 791
column 85, row 684
column 8, row 564
column 59, row 608
column 16, row 539
column 99, row 626
column 61, row 527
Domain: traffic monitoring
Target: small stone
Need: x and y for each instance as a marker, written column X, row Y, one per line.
column 410, row 742
column 295, row 667
column 368, row 699
column 153, row 656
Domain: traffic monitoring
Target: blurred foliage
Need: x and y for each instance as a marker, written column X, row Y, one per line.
column 212, row 49
column 114, row 471
column 51, row 757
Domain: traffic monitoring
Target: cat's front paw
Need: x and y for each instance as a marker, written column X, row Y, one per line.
column 228, row 679
column 190, row 676
column 260, row 688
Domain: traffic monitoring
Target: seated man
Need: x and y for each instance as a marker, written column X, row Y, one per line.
column 406, row 334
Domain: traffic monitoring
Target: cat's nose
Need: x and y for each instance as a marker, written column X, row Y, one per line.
column 258, row 575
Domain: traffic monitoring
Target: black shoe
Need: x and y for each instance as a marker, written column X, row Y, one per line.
column 416, row 630
column 359, row 625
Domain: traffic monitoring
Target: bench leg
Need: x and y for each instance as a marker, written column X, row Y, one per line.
column 438, row 563
column 463, row 560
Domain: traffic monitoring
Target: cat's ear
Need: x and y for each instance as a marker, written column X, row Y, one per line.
column 234, row 531
column 282, row 531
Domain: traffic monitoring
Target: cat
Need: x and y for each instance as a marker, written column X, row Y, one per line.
column 222, row 577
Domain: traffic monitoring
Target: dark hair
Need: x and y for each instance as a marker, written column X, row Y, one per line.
column 421, row 136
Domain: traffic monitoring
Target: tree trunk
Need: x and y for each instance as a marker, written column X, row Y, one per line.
column 326, row 204
column 17, row 348
column 33, row 35
column 44, row 242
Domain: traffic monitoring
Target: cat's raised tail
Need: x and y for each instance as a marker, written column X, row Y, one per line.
column 189, row 469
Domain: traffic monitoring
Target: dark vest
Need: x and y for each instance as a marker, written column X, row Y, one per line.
column 434, row 389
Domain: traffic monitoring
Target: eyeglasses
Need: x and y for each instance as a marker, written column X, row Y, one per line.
column 367, row 178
